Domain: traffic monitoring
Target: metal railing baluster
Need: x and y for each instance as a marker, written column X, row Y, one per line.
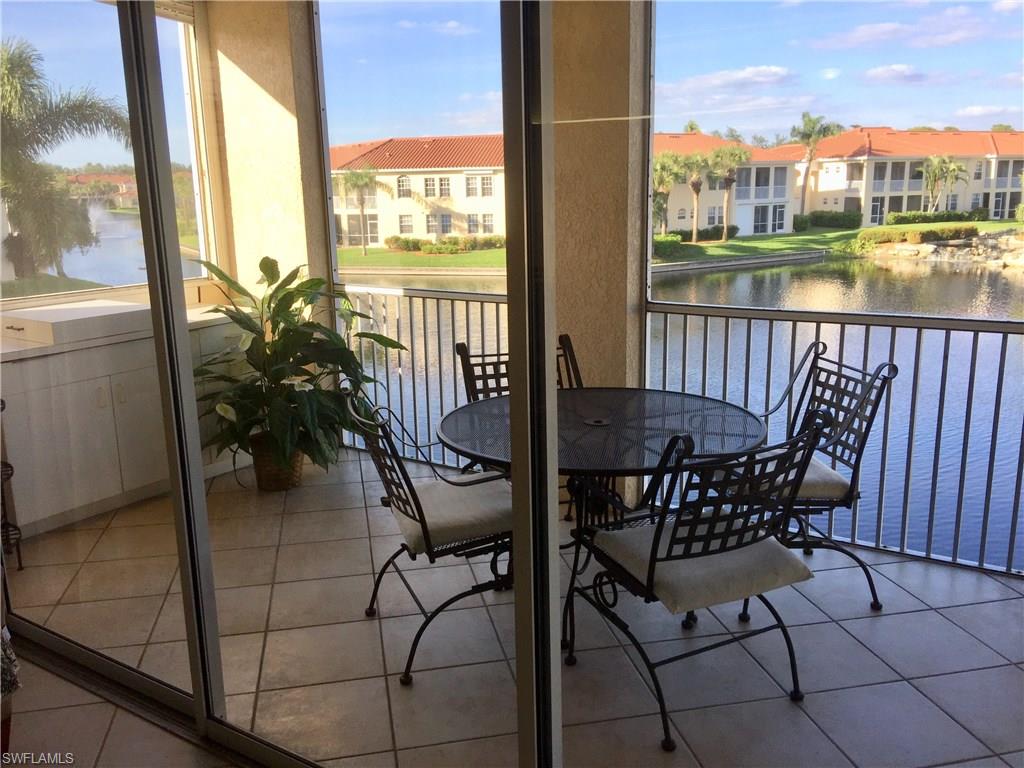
column 966, row 443
column 996, row 420
column 940, row 413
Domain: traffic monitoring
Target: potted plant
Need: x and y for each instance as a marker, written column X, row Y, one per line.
column 290, row 385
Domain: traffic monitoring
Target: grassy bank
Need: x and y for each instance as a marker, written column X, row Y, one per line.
column 39, row 284
column 385, row 257
column 813, row 239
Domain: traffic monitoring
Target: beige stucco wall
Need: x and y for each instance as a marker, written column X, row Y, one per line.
column 388, row 206
column 601, row 191
column 266, row 136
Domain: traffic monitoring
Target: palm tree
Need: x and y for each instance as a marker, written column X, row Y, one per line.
column 359, row 184
column 723, row 162
column 956, row 173
column 810, row 131
column 35, row 119
column 941, row 174
column 695, row 166
column 667, row 172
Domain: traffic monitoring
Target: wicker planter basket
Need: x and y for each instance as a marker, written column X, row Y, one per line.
column 271, row 476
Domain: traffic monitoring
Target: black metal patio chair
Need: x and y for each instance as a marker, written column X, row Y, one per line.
column 703, row 534
column 438, row 517
column 851, row 397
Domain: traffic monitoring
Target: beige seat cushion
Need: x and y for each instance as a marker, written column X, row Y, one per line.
column 822, row 482
column 697, row 582
column 456, row 513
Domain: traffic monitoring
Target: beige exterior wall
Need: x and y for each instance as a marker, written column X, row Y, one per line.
column 831, row 187
column 743, row 201
column 257, row 73
column 388, row 207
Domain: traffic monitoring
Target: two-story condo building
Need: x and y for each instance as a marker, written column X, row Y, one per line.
column 878, row 170
column 426, row 187
column 763, row 200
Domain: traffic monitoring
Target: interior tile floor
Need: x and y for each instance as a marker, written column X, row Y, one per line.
column 936, row 678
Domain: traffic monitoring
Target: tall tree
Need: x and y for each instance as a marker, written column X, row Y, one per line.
column 35, row 119
column 759, row 141
column 812, row 129
column 723, row 163
column 691, row 127
column 360, row 184
column 941, row 174
column 1002, row 127
column 695, row 168
column 668, row 171
column 733, row 135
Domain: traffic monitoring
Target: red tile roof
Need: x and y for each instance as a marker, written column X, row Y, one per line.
column 688, row 143
column 110, row 178
column 481, row 151
column 885, row 142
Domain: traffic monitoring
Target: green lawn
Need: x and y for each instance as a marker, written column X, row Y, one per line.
column 813, row 239
column 32, row 286
column 385, row 257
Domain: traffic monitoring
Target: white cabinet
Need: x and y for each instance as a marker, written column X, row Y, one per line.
column 138, row 416
column 63, row 445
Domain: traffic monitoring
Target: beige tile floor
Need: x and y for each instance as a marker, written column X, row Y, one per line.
column 936, row 678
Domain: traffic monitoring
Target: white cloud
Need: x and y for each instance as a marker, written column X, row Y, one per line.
column 483, row 112
column 865, row 34
column 1007, row 6
column 451, row 27
column 362, row 61
column 830, row 73
column 895, row 73
column 762, row 75
column 986, row 111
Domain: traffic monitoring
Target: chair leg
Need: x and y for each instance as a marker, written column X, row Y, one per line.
column 406, row 678
column 568, row 598
column 371, row 609
column 796, row 694
column 570, row 642
column 827, row 543
column 690, row 621
column 745, row 612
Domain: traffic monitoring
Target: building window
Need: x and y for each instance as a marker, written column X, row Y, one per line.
column 824, row 201
column 472, row 223
column 877, row 210
column 446, row 223
column 355, row 229
column 431, row 223
column 951, row 202
column 835, row 201
column 711, row 216
column 471, row 186
column 486, row 186
column 405, row 224
column 913, row 202
column 488, row 223
column 404, row 187
column 778, row 218
column 976, row 201
column 429, row 188
column 896, row 204
column 681, row 214
column 979, row 169
column 760, row 219
column 445, row 185
column 926, row 203
column 999, row 206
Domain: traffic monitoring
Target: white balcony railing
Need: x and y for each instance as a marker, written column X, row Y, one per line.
column 1002, row 182
column 779, row 192
column 855, row 185
column 878, row 185
column 1015, row 182
column 761, row 193
column 915, row 185
column 896, row 185
column 742, row 193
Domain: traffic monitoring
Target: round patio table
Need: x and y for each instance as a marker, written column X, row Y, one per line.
column 607, row 431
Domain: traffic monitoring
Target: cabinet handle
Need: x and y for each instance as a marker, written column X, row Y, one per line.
column 14, row 327
column 119, row 392
column 101, row 400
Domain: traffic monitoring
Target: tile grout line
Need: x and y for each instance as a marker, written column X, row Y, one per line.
column 106, row 733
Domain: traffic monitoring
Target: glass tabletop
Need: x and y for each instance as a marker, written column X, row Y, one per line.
column 608, row 431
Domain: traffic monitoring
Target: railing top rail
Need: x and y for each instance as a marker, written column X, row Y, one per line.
column 926, row 322
column 423, row 293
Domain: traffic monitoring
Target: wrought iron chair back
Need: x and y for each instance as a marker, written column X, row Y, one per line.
column 714, row 507
column 485, row 374
column 399, row 491
column 567, row 369
column 851, row 397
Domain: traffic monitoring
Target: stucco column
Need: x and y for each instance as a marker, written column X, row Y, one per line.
column 264, row 136
column 601, row 67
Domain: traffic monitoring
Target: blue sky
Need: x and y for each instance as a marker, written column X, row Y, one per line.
column 409, row 69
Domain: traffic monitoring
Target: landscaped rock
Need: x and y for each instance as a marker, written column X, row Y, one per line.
column 997, row 249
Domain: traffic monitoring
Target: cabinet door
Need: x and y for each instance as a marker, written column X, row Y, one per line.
column 63, row 446
column 140, row 427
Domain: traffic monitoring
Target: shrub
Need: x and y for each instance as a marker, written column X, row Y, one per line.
column 393, row 241
column 705, row 233
column 926, row 217
column 869, row 238
column 836, row 219
column 1018, row 214
column 447, row 248
column 409, row 243
column 668, row 246
column 801, row 222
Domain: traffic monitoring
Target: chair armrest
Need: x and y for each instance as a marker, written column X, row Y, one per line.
column 478, row 478
column 816, row 349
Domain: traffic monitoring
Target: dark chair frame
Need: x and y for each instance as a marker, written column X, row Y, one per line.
column 699, row 510
column 401, row 497
column 852, row 397
column 10, row 534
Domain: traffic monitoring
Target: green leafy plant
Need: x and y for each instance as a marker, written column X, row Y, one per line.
column 291, row 382
column 835, row 219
